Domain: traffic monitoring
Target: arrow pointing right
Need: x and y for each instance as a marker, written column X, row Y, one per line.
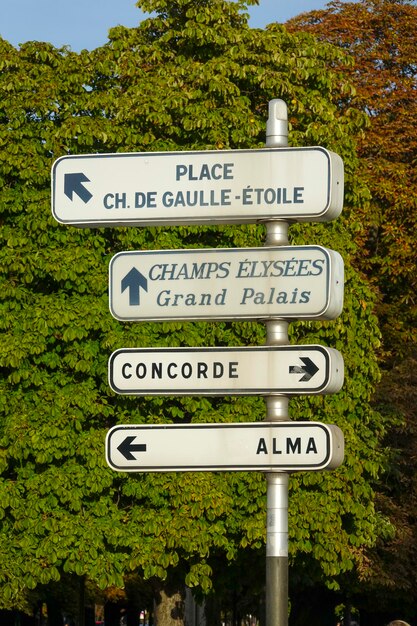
column 127, row 447
column 309, row 369
column 73, row 183
column 133, row 281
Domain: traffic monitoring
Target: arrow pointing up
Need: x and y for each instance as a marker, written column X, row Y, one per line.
column 309, row 369
column 73, row 183
column 134, row 281
column 127, row 447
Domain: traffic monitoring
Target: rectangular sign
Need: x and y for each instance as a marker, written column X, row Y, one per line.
column 265, row 370
column 287, row 282
column 230, row 187
column 262, row 446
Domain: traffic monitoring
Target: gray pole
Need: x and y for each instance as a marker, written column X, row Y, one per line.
column 277, row 410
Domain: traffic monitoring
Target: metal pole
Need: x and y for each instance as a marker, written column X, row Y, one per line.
column 277, row 410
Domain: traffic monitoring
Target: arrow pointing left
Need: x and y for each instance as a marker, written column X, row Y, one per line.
column 309, row 369
column 134, row 281
column 127, row 447
column 73, row 183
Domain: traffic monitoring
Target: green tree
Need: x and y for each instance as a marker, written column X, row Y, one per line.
column 194, row 76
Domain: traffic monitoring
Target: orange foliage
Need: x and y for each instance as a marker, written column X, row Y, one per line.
column 381, row 35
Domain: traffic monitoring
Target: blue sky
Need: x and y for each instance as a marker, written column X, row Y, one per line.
column 85, row 23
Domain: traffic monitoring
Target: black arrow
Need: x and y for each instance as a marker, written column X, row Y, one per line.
column 309, row 369
column 127, row 447
column 73, row 183
column 133, row 281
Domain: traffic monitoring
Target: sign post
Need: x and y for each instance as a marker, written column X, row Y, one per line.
column 278, row 283
column 276, row 583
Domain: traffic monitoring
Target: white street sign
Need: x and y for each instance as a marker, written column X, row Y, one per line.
column 265, row 370
column 287, row 282
column 262, row 446
column 231, row 187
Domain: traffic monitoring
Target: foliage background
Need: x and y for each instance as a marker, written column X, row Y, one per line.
column 193, row 77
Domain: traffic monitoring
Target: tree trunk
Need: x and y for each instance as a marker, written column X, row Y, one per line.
column 54, row 612
column 111, row 614
column 169, row 605
column 81, row 602
column 212, row 610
